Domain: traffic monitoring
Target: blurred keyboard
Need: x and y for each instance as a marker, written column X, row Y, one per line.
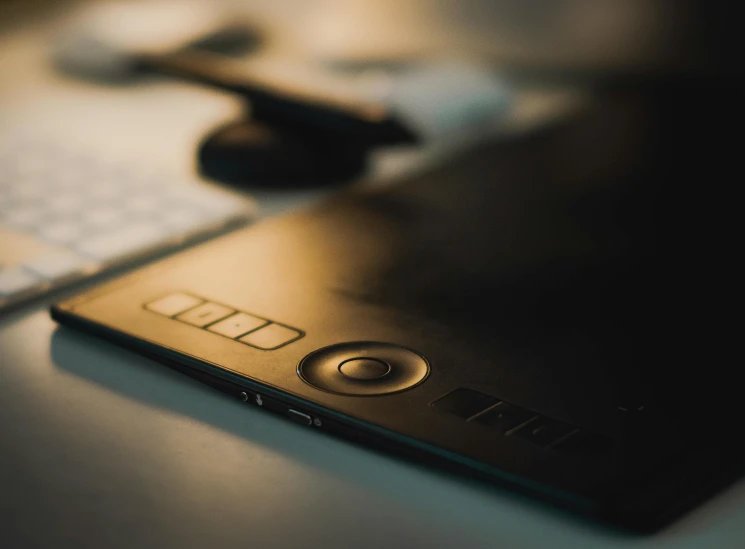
column 66, row 214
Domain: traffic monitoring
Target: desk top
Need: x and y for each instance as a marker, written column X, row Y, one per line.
column 102, row 448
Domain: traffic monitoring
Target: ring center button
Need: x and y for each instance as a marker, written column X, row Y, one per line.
column 364, row 368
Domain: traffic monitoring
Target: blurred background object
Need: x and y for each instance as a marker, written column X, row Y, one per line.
column 556, row 35
column 318, row 86
column 112, row 41
column 579, row 35
column 309, row 124
column 14, row 13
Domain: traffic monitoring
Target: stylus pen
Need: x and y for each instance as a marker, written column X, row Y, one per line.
column 289, row 103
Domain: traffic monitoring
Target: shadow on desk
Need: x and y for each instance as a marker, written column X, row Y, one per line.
column 142, row 380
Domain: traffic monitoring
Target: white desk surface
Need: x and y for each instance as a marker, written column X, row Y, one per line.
column 101, row 448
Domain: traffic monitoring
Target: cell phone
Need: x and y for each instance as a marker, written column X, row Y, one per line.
column 514, row 315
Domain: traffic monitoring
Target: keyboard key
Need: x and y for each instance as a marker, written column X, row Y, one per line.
column 22, row 217
column 29, row 190
column 212, row 204
column 218, row 204
column 173, row 304
column 101, row 217
column 62, row 232
column 464, row 403
column 237, row 325
column 205, row 314
column 143, row 204
column 135, row 237
column 271, row 337
column 105, row 191
column 65, row 203
column 31, row 164
column 182, row 219
column 56, row 264
column 14, row 281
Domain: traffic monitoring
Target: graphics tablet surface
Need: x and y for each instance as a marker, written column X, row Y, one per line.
column 519, row 315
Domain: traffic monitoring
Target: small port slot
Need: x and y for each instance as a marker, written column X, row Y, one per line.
column 299, row 417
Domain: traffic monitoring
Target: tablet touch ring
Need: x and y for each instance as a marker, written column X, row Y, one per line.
column 363, row 368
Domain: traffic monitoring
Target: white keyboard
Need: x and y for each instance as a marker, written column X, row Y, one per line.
column 66, row 215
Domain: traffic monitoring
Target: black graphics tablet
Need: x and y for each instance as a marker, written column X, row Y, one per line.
column 533, row 314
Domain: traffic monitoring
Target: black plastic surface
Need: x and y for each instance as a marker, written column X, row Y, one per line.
column 565, row 274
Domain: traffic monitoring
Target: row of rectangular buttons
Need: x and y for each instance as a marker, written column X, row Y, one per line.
column 214, row 317
column 482, row 409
